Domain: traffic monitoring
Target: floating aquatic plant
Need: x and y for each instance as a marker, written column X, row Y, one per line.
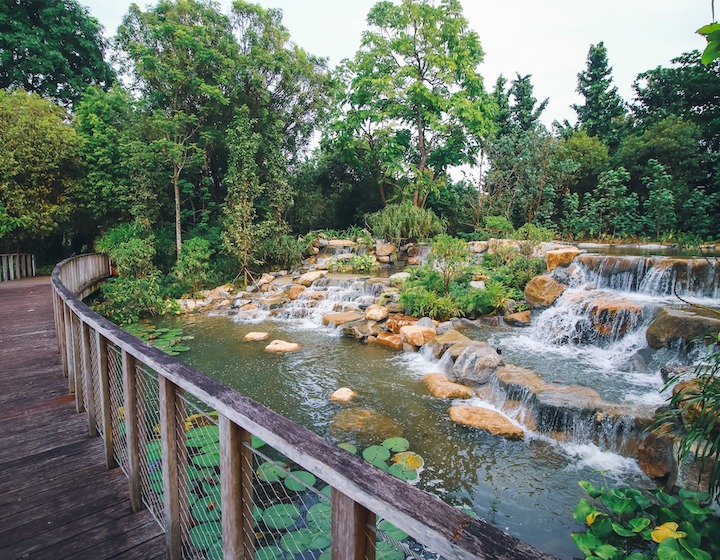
column 205, row 535
column 348, row 447
column 168, row 340
column 396, row 444
column 281, row 516
column 207, row 509
column 270, row 472
column 300, row 480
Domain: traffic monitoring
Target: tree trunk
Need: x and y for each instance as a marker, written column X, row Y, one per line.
column 176, row 190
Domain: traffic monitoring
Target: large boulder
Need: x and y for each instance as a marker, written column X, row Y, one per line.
column 612, row 315
column 385, row 249
column 443, row 387
column 295, row 291
column 338, row 319
column 359, row 329
column 441, row 343
column 344, row 394
column 672, row 324
column 560, row 257
column 311, row 277
column 520, row 319
column 486, row 419
column 542, row 291
column 655, row 456
column 476, row 364
column 399, row 278
column 389, row 340
column 416, row 335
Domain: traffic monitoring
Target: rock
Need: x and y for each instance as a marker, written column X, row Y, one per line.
column 397, row 321
column 560, row 257
column 374, row 425
column 384, row 260
column 479, row 246
column 344, row 394
column 376, row 313
column 272, row 303
column 672, row 324
column 296, row 291
column 390, row 340
column 518, row 381
column 265, row 279
column 255, row 336
column 521, row 319
column 613, row 315
column 477, row 284
column 443, row 387
column 417, row 336
column 426, row 322
column 221, row 292
column 655, row 456
column 357, row 329
column 441, row 343
column 487, row 420
column 542, row 291
column 395, row 307
column 317, row 296
column 476, row 364
column 442, row 328
column 399, row 278
column 385, row 249
column 341, row 243
column 338, row 319
column 414, row 261
column 282, row 347
column 309, row 278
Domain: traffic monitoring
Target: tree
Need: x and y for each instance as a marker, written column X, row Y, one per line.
column 51, row 47
column 39, row 167
column 587, row 156
column 182, row 55
column 659, row 207
column 614, row 208
column 416, row 79
column 524, row 112
column 602, row 113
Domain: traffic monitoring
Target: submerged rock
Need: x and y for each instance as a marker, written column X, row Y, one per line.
column 366, row 422
column 486, row 419
column 443, row 387
column 282, row 347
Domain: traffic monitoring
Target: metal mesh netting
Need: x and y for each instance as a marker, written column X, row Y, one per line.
column 97, row 397
column 117, row 407
column 151, row 481
column 80, row 381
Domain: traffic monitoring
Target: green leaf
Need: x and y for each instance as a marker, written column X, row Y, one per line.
column 694, row 552
column 638, row 524
column 707, row 29
column 154, row 450
column 210, row 459
column 391, row 531
column 304, row 481
column 348, row 447
column 638, row 556
column 403, row 473
column 606, row 551
column 319, row 517
column 207, row 509
column 590, row 489
column 256, row 442
column 386, row 551
column 297, row 542
column 711, row 52
column 205, row 535
column 270, row 472
column 375, row 453
column 582, row 510
column 269, row 553
column 693, row 495
column 669, row 549
column 280, row 516
column 396, row 444
column 586, row 542
column 696, row 509
column 622, row 531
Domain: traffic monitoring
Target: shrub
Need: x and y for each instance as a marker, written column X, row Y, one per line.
column 473, row 302
column 625, row 523
column 192, row 269
column 354, row 263
column 498, row 226
column 531, row 232
column 401, row 223
column 130, row 248
column 129, row 299
column 282, row 251
column 421, row 302
column 449, row 256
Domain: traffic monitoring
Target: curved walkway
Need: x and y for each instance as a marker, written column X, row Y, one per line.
column 57, row 500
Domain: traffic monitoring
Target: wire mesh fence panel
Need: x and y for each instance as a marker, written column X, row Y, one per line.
column 200, row 500
column 151, row 475
column 80, row 365
column 117, row 407
column 95, row 380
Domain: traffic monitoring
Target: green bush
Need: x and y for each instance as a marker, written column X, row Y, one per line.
column 531, row 232
column 625, row 523
column 402, row 223
column 192, row 270
column 355, row 263
column 518, row 272
column 421, row 302
column 498, row 226
column 473, row 302
column 128, row 299
column 450, row 257
column 130, row 248
column 282, row 251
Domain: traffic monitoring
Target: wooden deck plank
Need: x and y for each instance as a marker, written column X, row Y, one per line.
column 56, row 498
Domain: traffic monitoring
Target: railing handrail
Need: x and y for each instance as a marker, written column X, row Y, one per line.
column 14, row 266
column 435, row 524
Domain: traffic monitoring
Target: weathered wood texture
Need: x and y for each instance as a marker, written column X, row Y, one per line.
column 16, row 266
column 57, row 500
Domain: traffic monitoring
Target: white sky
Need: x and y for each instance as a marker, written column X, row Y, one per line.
column 548, row 39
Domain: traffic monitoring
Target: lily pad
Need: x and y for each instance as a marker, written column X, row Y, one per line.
column 403, row 473
column 298, row 541
column 391, row 531
column 396, row 444
column 319, row 517
column 269, row 553
column 205, row 535
column 211, row 485
column 280, row 516
column 348, row 447
column 327, row 491
column 409, row 459
column 207, row 509
column 382, row 465
column 210, row 459
column 320, row 539
column 215, row 552
column 202, row 434
column 154, row 451
column 270, row 472
column 302, row 481
column 386, row 551
column 376, row 453
column 256, row 442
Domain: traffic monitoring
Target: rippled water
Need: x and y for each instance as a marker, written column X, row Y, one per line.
column 527, row 487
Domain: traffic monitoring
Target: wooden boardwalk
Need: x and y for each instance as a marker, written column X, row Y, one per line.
column 57, row 500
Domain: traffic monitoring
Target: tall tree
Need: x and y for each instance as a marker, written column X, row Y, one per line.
column 39, row 168
column 525, row 110
column 416, row 77
column 602, row 112
column 182, row 55
column 51, row 47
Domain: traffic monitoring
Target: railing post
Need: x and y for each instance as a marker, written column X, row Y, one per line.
column 353, row 533
column 132, row 429
column 236, row 498
column 12, row 267
column 105, row 403
column 88, row 375
column 67, row 325
column 171, row 431
column 75, row 324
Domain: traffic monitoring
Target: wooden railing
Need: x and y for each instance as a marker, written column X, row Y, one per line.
column 16, row 266
column 145, row 404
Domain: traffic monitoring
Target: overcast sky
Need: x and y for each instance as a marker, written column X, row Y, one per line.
column 548, row 39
